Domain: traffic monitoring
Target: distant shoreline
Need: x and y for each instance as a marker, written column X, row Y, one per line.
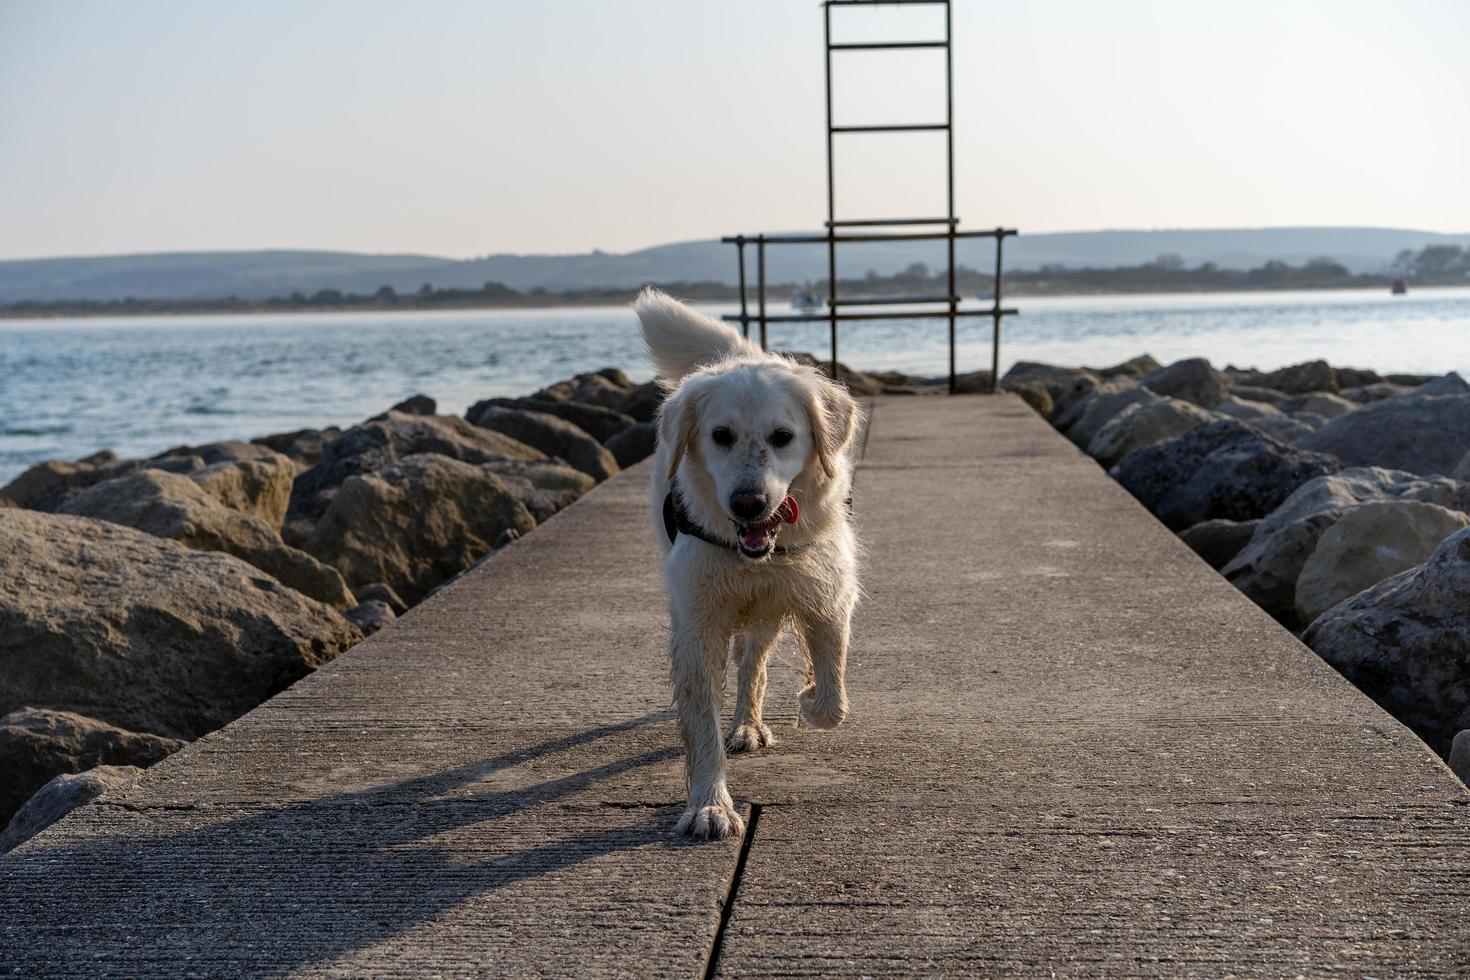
column 779, row 295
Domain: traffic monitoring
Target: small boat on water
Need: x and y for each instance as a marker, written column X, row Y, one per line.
column 804, row 302
column 1399, row 287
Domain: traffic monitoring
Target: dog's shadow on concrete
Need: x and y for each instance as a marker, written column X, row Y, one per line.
column 284, row 888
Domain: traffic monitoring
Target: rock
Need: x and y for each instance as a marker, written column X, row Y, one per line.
column 1366, row 545
column 375, row 444
column 856, row 382
column 417, row 405
column 1033, row 393
column 974, row 383
column 1326, row 405
column 38, row 743
column 1406, row 643
column 382, row 592
column 1298, row 379
column 59, row 797
column 551, row 435
column 1375, row 392
column 1267, row 568
column 1143, row 425
column 1255, row 393
column 1134, row 367
column 608, row 388
column 244, row 476
column 1282, row 429
column 167, row 505
column 1219, row 541
column 634, row 445
column 601, row 424
column 1311, row 420
column 415, row 523
column 1421, row 434
column 1460, row 756
column 143, row 633
column 1462, row 468
column 1358, row 485
column 1449, row 384
column 1409, row 380
column 1084, row 420
column 370, row 616
column 1193, row 380
column 303, row 446
column 1355, row 377
column 1246, row 410
column 1067, row 386
column 543, row 488
column 643, row 402
column 46, row 484
column 1223, row 469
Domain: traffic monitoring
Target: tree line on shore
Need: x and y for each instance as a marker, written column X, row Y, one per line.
column 1431, row 265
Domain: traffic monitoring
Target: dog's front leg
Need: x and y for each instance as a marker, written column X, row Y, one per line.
column 747, row 732
column 823, row 702
column 697, row 653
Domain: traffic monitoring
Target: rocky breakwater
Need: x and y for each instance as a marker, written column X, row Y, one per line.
column 1336, row 498
column 146, row 602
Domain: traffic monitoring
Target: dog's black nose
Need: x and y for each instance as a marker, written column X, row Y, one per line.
column 748, row 506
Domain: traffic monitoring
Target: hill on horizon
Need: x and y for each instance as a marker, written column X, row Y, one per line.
column 278, row 272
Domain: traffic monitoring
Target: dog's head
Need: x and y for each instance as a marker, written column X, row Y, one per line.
column 753, row 440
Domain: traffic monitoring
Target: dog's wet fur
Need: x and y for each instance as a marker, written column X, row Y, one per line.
column 749, row 440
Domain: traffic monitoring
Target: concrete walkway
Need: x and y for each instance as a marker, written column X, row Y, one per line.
column 1074, row 750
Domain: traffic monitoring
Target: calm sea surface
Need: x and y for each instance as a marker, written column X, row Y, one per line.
column 139, row 386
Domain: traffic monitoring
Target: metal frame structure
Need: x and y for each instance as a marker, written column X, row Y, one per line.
column 928, row 307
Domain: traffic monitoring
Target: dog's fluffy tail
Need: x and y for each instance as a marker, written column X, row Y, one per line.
column 680, row 340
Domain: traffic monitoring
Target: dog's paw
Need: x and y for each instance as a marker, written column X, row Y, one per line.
column 821, row 710
column 713, row 822
column 748, row 738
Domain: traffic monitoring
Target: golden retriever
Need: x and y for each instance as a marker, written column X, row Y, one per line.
column 752, row 504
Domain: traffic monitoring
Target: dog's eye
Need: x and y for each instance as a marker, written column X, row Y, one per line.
column 723, row 437
column 781, row 437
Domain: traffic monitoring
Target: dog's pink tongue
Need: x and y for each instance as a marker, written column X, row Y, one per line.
column 788, row 510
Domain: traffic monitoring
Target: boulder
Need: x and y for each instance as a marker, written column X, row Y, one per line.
column 634, row 445
column 1223, row 469
column 377, row 443
column 1066, row 386
column 1409, row 380
column 1355, row 377
column 38, row 743
column 417, row 405
column 1135, row 367
column 371, row 616
column 1459, row 759
column 1449, row 384
column 608, row 388
column 59, row 797
column 1366, row 545
column 543, row 487
column 1267, row 568
column 1255, row 393
column 1143, row 425
column 144, row 633
column 1421, row 434
column 382, row 592
column 244, row 476
column 415, row 523
column 974, row 383
column 171, row 506
column 1281, row 428
column 46, row 484
column 1219, row 541
column 1405, row 643
column 303, row 446
column 643, row 402
column 1326, row 405
column 1033, row 393
column 1298, row 379
column 1246, row 410
column 1375, row 392
column 601, row 424
column 1193, row 380
column 1084, row 420
column 551, row 435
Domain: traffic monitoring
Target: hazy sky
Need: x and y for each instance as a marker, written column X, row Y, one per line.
column 464, row 127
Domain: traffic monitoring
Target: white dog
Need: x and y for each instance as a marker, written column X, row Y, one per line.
column 751, row 501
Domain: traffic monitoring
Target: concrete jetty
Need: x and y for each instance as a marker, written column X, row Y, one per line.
column 1074, row 750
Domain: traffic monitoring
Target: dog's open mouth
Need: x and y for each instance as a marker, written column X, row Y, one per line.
column 759, row 540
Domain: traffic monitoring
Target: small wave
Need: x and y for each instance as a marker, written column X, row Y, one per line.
column 208, row 410
column 36, row 430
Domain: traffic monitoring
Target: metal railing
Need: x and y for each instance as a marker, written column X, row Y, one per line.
column 946, row 306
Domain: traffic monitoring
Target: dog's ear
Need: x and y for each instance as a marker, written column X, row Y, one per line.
column 678, row 426
column 834, row 417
